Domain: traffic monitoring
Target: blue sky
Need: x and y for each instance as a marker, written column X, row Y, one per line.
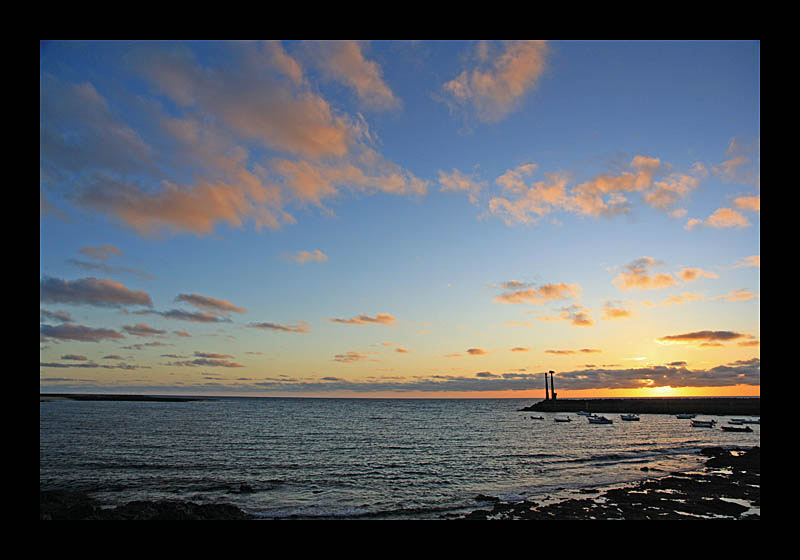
column 400, row 218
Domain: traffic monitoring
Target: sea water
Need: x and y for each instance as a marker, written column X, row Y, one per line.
column 354, row 458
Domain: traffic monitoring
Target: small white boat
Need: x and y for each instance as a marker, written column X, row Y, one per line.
column 599, row 420
column 584, row 413
column 703, row 423
column 562, row 419
column 629, row 417
column 736, row 421
column 685, row 416
column 537, row 417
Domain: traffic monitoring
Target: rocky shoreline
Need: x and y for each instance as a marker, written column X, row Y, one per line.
column 727, row 487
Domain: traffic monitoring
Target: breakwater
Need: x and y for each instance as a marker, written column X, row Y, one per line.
column 745, row 406
column 46, row 397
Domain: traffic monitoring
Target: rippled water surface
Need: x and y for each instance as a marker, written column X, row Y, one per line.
column 364, row 458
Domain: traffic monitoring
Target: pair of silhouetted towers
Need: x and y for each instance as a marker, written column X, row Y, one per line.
column 547, row 396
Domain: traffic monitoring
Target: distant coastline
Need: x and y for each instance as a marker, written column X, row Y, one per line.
column 48, row 397
column 746, row 406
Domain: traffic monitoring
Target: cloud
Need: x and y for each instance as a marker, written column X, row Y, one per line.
column 299, row 327
column 751, row 261
column 570, row 352
column 240, row 141
column 80, row 333
column 605, row 194
column 103, row 252
column 308, row 256
column 91, row 291
column 363, row 319
column 349, row 357
column 690, row 274
column 191, row 316
column 140, row 329
column 741, row 294
column 476, row 351
column 705, row 338
column 637, row 276
column 458, row 181
column 722, row 218
column 497, row 85
column 344, row 61
column 520, row 349
column 614, row 310
column 752, row 203
column 577, row 315
column 62, row 316
column 205, row 362
column 212, row 355
column 210, row 304
column 540, row 295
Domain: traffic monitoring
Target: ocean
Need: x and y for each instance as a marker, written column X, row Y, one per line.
column 316, row 458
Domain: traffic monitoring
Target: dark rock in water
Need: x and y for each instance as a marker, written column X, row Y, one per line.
column 485, row 498
column 59, row 505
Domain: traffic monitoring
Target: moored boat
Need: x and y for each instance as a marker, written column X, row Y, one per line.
column 685, row 416
column 737, row 428
column 599, row 420
column 562, row 419
column 703, row 423
column 629, row 417
column 537, row 417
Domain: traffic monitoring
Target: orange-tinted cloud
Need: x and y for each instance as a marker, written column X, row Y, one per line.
column 476, row 351
column 348, row 357
column 363, row 319
column 721, row 218
column 308, row 256
column 540, row 295
column 577, row 315
column 495, row 88
column 637, row 276
column 690, row 274
column 344, row 61
column 210, row 304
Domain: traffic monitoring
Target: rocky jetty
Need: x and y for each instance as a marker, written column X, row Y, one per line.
column 48, row 397
column 743, row 406
column 728, row 487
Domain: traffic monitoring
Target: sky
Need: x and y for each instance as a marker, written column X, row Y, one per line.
column 400, row 218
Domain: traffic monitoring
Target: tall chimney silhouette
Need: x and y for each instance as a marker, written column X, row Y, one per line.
column 546, row 393
column 552, row 385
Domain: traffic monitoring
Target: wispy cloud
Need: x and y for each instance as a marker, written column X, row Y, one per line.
column 363, row 319
column 497, row 84
column 344, row 61
column 298, row 327
column 210, row 304
column 303, row 257
column 80, row 333
column 637, row 276
column 99, row 292
column 706, row 338
column 540, row 295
